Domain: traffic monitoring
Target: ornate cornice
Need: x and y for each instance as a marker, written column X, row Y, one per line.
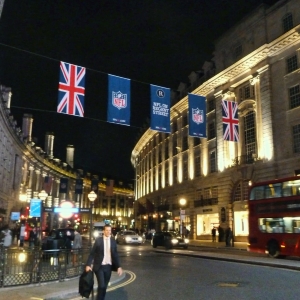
column 229, row 74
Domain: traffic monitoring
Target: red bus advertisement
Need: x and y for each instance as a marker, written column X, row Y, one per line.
column 274, row 217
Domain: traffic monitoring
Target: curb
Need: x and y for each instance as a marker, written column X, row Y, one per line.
column 229, row 259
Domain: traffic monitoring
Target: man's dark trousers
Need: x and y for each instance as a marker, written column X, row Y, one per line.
column 103, row 275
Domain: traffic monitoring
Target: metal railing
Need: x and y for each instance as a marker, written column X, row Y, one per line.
column 21, row 266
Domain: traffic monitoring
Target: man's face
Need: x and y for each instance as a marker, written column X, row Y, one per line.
column 107, row 231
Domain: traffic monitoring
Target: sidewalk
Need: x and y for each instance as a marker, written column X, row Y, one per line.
column 209, row 243
column 50, row 291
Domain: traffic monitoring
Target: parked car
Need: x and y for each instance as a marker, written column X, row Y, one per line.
column 61, row 238
column 169, row 239
column 128, row 237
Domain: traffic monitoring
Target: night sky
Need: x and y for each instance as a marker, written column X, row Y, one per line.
column 147, row 41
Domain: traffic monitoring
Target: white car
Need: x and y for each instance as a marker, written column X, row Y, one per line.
column 128, row 237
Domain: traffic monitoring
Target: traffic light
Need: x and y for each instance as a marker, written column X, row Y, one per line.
column 77, row 218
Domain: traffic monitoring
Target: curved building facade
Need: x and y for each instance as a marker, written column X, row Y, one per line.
column 26, row 169
column 256, row 64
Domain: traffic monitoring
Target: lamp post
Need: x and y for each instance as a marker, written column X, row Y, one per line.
column 182, row 202
column 92, row 197
column 43, row 196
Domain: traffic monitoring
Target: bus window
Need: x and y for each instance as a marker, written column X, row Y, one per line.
column 257, row 193
column 271, row 225
column 286, row 189
column 273, row 190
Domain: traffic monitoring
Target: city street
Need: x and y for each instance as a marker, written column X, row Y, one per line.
column 152, row 274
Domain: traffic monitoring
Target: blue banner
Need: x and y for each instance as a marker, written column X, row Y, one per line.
column 197, row 116
column 160, row 109
column 94, row 185
column 79, row 186
column 63, row 186
column 118, row 100
column 35, row 208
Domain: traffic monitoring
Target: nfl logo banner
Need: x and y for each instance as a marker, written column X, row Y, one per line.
column 197, row 116
column 118, row 100
column 71, row 89
column 113, row 203
column 94, row 185
column 63, row 186
column 121, row 204
column 104, row 203
column 160, row 109
column 79, row 186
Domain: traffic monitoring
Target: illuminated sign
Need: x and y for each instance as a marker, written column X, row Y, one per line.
column 66, row 210
column 15, row 216
column 35, row 207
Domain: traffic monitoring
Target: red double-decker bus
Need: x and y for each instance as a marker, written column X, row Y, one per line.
column 274, row 217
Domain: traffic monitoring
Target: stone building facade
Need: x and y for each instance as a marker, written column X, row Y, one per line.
column 255, row 64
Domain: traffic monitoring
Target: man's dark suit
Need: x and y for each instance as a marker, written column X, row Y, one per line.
column 103, row 272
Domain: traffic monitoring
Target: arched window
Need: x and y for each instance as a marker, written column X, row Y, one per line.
column 250, row 134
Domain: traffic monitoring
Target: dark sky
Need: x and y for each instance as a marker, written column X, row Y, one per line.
column 147, row 41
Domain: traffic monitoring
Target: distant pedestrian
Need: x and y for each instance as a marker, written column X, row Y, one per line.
column 77, row 245
column 228, row 237
column 187, row 232
column 33, row 238
column 13, row 234
column 221, row 233
column 6, row 236
column 22, row 235
column 213, row 234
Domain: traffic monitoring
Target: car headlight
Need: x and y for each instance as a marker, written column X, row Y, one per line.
column 140, row 239
column 174, row 241
column 96, row 234
column 186, row 241
column 128, row 239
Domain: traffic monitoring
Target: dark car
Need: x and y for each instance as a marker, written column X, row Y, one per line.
column 61, row 238
column 169, row 239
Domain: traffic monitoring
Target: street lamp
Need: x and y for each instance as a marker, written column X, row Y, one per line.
column 23, row 197
column 182, row 202
column 92, row 197
column 43, row 196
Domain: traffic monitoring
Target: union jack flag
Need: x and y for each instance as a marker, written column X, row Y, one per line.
column 230, row 121
column 71, row 90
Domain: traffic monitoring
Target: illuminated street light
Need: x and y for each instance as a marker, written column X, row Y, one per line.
column 43, row 196
column 22, row 257
column 182, row 202
column 92, row 197
column 23, row 197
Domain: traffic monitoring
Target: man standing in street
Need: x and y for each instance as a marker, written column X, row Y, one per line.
column 104, row 256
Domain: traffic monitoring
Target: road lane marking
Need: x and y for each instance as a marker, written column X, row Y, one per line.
column 130, row 280
column 228, row 284
column 117, row 286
